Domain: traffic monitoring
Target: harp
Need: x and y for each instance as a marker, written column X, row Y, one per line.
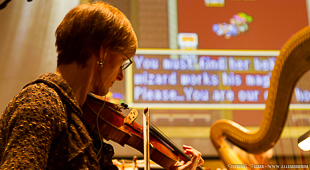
column 292, row 62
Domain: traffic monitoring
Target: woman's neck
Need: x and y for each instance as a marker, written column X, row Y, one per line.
column 79, row 79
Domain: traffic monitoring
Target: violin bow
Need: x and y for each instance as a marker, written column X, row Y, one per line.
column 146, row 137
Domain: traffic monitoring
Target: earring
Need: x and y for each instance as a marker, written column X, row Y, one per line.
column 100, row 63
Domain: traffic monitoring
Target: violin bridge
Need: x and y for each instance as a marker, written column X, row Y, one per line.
column 132, row 116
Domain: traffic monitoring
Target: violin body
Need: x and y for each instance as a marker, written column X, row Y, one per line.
column 107, row 119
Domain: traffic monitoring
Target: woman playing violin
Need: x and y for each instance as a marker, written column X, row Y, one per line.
column 42, row 127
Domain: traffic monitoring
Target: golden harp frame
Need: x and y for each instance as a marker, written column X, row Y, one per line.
column 292, row 62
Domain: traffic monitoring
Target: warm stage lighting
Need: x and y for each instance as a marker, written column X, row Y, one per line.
column 304, row 141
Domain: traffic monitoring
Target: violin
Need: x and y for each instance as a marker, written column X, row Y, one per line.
column 107, row 119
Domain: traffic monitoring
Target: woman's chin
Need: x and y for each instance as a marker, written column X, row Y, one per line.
column 103, row 93
column 100, row 93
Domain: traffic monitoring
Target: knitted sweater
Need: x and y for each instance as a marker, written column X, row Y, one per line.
column 42, row 128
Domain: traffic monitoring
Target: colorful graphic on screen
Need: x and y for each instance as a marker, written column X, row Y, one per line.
column 238, row 25
column 261, row 24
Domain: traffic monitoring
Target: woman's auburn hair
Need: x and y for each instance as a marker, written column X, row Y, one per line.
column 87, row 27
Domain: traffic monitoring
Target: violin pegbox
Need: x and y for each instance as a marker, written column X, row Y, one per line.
column 125, row 106
column 132, row 116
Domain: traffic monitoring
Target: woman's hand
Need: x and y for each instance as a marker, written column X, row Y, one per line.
column 195, row 161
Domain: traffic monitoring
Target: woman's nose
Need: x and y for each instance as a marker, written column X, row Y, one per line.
column 120, row 75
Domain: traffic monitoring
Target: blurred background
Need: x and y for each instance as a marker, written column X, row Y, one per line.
column 198, row 61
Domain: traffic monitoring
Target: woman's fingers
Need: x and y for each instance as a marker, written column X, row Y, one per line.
column 196, row 159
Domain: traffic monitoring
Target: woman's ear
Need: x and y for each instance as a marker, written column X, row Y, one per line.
column 102, row 54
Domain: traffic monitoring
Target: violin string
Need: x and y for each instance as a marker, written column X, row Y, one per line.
column 159, row 131
column 172, row 144
column 156, row 130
